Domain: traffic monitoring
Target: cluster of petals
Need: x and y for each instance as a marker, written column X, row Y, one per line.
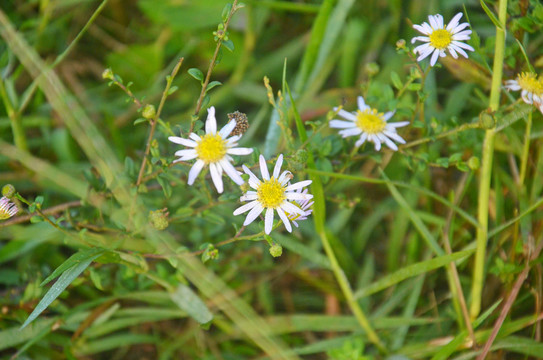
column 370, row 125
column 7, row 208
column 531, row 87
column 213, row 149
column 438, row 38
column 273, row 194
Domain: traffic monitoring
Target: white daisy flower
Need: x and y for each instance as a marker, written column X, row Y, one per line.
column 304, row 205
column 370, row 124
column 272, row 193
column 7, row 208
column 440, row 38
column 213, row 149
column 531, row 86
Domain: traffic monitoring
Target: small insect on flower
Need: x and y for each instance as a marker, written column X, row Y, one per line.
column 213, row 149
column 272, row 193
column 531, row 86
column 7, row 208
column 370, row 124
column 440, row 38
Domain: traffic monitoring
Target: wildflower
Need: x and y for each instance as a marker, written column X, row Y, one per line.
column 531, row 86
column 440, row 38
column 272, row 193
column 7, row 208
column 304, row 205
column 370, row 124
column 213, row 149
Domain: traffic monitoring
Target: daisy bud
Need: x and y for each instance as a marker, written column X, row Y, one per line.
column 276, row 250
column 149, row 112
column 8, row 191
column 487, row 120
column 108, row 74
column 400, row 44
column 372, row 69
column 474, row 163
column 159, row 219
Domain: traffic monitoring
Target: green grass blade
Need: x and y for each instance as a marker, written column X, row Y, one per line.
column 72, row 261
column 411, row 271
column 188, row 301
column 60, row 285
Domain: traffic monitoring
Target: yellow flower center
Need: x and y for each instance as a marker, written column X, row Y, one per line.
column 530, row 83
column 370, row 121
column 211, row 148
column 440, row 39
column 271, row 193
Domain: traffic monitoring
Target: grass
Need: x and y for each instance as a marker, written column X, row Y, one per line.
column 429, row 252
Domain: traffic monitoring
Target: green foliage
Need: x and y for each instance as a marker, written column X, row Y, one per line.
column 114, row 255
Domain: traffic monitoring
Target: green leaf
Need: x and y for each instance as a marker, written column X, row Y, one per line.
column 188, row 301
column 491, row 15
column 226, row 12
column 72, row 261
column 229, row 45
column 172, row 90
column 396, row 81
column 213, row 84
column 165, row 184
column 197, row 74
column 62, row 283
column 411, row 271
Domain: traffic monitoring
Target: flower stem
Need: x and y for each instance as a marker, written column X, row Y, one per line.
column 155, row 120
column 212, row 64
column 16, row 125
column 486, row 169
column 525, row 150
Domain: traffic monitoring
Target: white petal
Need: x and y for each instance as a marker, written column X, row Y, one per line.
column 454, row 22
column 239, row 151
column 291, row 208
column 216, row 176
column 253, row 180
column 459, row 28
column 268, row 221
column 421, row 29
column 253, row 214
column 452, row 52
column 388, row 142
column 195, row 137
column 185, row 142
column 388, row 115
column 377, row 143
column 227, row 129
column 231, row 172
column 195, row 170
column 249, row 197
column 362, row 140
column 361, row 103
column 298, row 185
column 277, row 167
column 462, row 45
column 245, row 207
column 264, row 168
column 350, row 132
column 394, row 136
column 284, row 219
column 211, row 122
column 433, row 22
column 298, row 196
column 435, row 55
column 341, row 124
column 232, row 140
column 285, row 177
column 458, row 50
column 347, row 115
column 186, row 152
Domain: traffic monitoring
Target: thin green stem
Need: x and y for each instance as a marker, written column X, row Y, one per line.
column 154, row 121
column 32, row 88
column 19, row 137
column 525, row 150
column 212, row 64
column 486, row 169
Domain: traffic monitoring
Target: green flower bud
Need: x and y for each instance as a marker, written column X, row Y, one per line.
column 372, row 69
column 487, row 120
column 400, row 44
column 149, row 112
column 159, row 219
column 276, row 250
column 474, row 163
column 108, row 74
column 8, row 191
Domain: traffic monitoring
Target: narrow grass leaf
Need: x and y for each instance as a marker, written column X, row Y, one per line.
column 60, row 285
column 411, row 271
column 188, row 301
column 73, row 260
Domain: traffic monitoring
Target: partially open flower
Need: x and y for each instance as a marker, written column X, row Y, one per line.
column 531, row 86
column 7, row 208
column 272, row 193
